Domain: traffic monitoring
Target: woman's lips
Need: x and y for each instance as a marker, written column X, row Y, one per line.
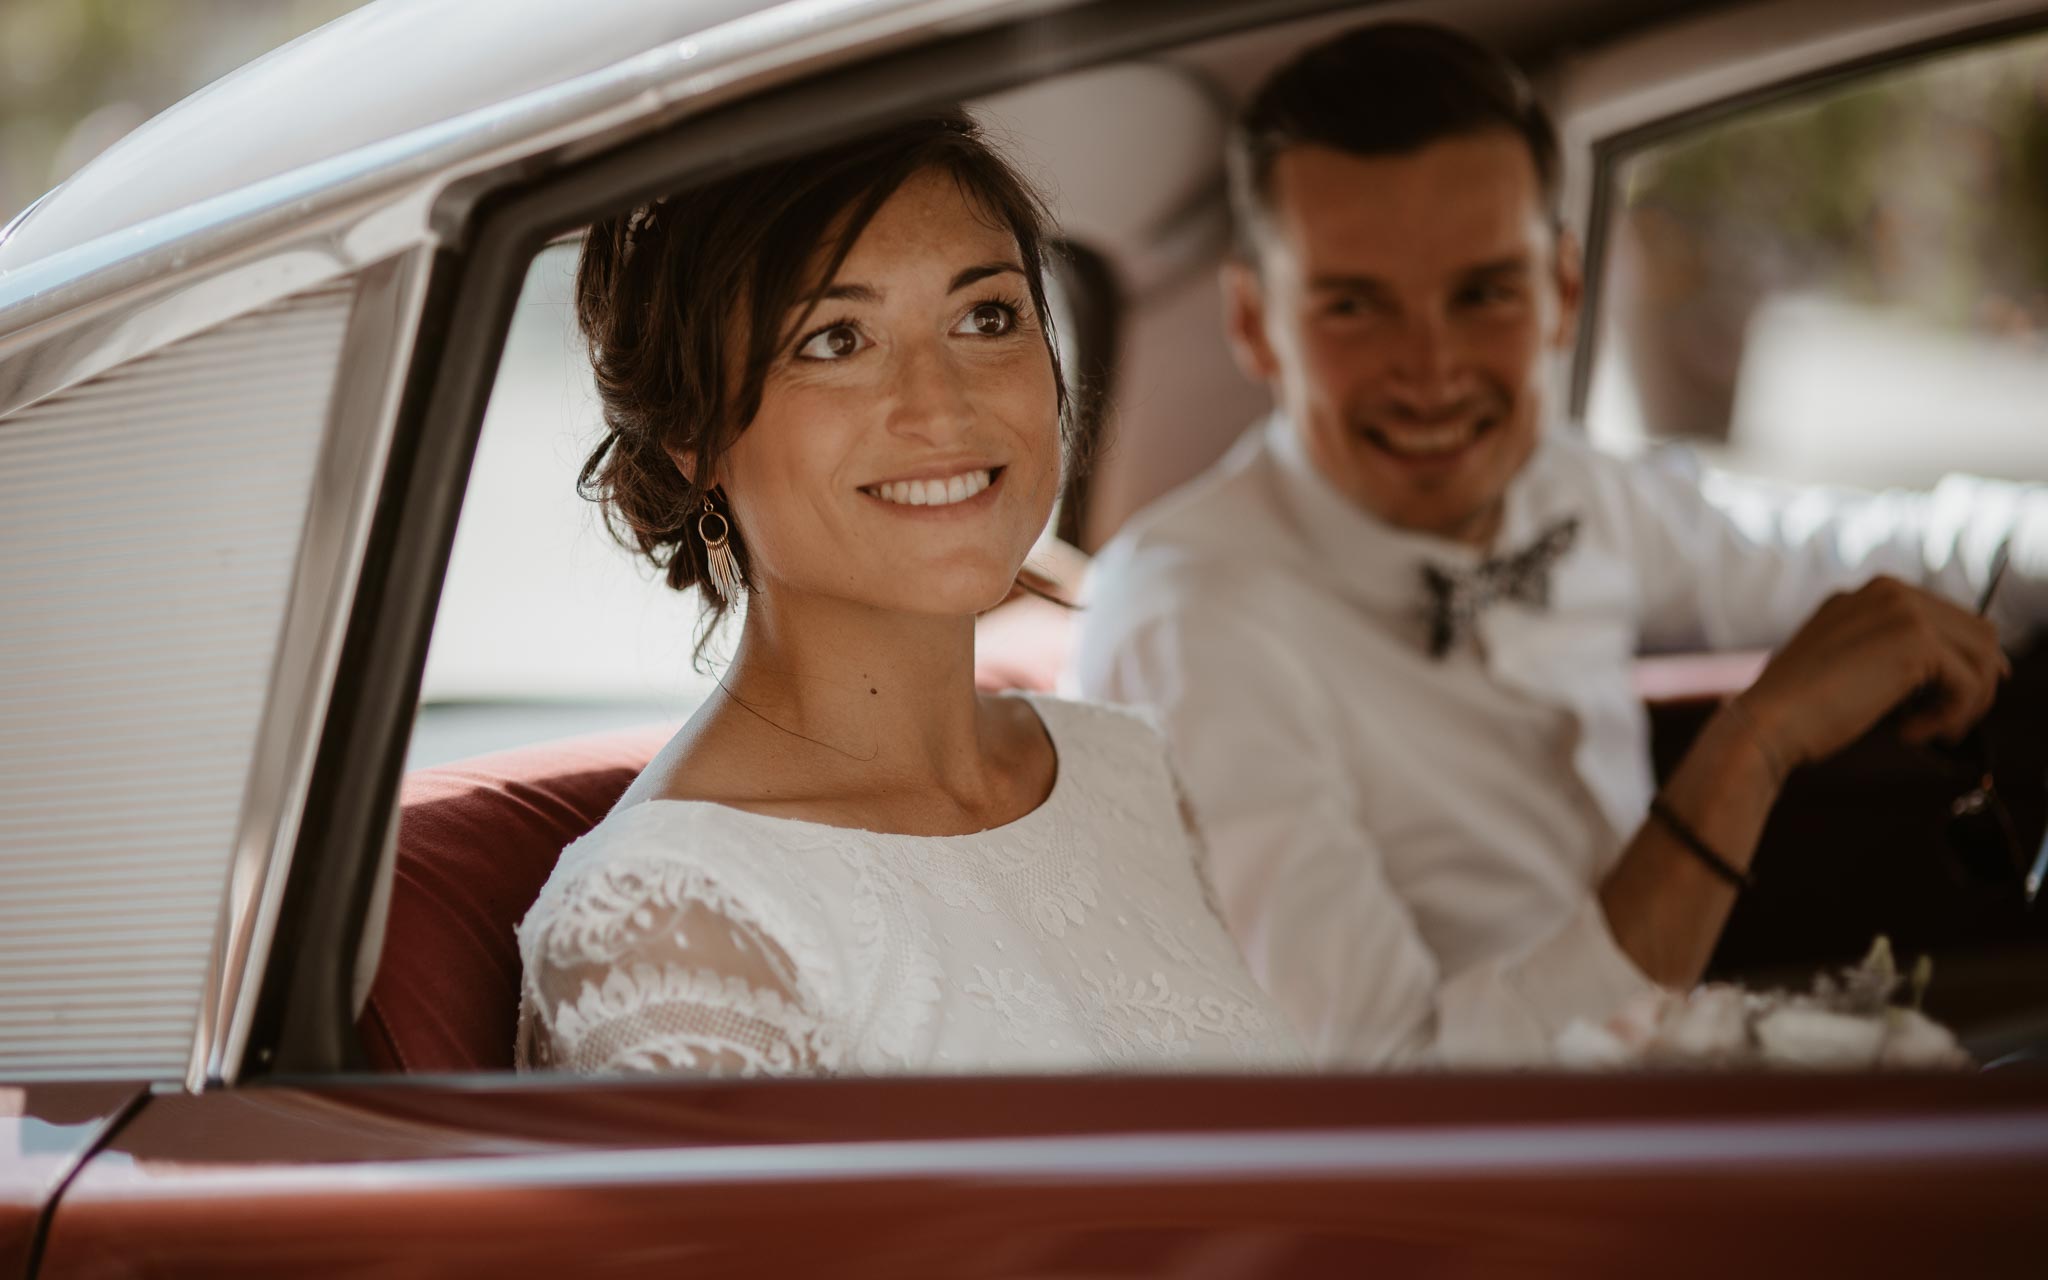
column 942, row 491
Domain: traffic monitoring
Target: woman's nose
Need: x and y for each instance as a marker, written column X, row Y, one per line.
column 932, row 400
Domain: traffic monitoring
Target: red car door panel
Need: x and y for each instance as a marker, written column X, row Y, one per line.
column 1079, row 1177
column 45, row 1131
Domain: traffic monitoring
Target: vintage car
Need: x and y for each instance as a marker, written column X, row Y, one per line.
column 267, row 405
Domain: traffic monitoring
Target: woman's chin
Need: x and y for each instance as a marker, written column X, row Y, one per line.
column 951, row 592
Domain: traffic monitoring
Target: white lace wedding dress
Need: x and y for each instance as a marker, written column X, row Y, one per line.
column 683, row 935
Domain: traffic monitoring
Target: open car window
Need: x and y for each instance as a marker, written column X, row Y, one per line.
column 1849, row 285
column 547, row 627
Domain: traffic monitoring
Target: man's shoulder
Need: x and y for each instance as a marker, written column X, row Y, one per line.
column 1211, row 534
column 1618, row 494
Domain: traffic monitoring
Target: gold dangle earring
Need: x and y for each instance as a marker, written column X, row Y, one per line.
column 723, row 567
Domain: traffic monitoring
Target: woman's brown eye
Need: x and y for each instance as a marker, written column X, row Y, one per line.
column 991, row 321
column 834, row 343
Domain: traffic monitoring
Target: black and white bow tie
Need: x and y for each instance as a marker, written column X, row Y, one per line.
column 1455, row 597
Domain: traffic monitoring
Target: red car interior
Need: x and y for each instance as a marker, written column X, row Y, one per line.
column 1854, row 849
column 476, row 841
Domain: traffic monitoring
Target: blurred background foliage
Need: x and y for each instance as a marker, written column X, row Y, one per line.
column 1924, row 187
column 1918, row 192
column 75, row 75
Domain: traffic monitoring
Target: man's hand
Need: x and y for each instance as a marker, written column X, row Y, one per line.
column 1883, row 647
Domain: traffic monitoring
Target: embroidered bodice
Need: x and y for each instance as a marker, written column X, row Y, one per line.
column 1082, row 936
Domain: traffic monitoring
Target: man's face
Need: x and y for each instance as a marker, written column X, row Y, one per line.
column 1403, row 311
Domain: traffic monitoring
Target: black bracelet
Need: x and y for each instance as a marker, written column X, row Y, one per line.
column 1699, row 848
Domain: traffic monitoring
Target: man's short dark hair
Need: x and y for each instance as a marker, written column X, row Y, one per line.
column 1385, row 89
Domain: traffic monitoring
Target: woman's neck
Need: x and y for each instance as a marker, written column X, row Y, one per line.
column 889, row 695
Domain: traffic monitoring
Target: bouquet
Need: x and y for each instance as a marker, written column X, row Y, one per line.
column 1852, row 1019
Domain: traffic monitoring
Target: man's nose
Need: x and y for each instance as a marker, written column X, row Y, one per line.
column 1426, row 362
column 931, row 403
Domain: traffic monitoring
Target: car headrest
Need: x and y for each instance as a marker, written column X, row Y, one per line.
column 476, row 841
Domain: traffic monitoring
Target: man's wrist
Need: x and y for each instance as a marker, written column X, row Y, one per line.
column 1751, row 727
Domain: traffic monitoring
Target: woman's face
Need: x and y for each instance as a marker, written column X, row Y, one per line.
column 906, row 453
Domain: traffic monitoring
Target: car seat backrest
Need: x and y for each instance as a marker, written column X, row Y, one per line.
column 476, row 841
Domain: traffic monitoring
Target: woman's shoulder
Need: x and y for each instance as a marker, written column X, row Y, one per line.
column 1096, row 726
column 656, row 859
column 687, row 832
column 1112, row 754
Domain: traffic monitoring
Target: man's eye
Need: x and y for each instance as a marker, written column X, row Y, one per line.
column 1491, row 295
column 834, row 343
column 989, row 320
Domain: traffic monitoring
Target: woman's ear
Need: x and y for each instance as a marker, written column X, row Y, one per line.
column 685, row 461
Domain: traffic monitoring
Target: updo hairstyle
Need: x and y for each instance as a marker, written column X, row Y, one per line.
column 685, row 304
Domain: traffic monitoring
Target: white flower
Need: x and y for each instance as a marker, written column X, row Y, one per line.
column 1709, row 1025
column 1589, row 1048
column 1807, row 1037
column 1845, row 1023
column 1916, row 1040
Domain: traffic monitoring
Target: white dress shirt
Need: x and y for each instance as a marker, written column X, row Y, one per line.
column 1407, row 848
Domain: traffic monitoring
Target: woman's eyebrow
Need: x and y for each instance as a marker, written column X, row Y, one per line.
column 845, row 293
column 982, row 271
column 851, row 292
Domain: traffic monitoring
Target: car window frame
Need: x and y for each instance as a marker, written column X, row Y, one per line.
column 303, row 1022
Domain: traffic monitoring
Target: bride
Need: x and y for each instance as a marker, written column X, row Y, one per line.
column 829, row 385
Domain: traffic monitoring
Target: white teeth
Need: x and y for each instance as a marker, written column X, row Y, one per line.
column 933, row 493
column 1427, row 440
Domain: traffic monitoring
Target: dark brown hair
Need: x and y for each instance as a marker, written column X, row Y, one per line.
column 1385, row 89
column 685, row 304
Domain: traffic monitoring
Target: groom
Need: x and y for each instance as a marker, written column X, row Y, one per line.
column 1390, row 635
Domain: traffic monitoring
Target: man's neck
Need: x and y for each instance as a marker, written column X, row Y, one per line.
column 1479, row 530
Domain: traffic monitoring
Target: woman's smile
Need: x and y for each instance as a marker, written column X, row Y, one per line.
column 951, row 491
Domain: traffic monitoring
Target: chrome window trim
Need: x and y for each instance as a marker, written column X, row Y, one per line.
column 1641, row 1148
column 19, row 218
column 89, row 308
column 377, row 352
column 1628, row 94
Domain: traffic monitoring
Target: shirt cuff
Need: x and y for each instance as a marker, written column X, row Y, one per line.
column 1509, row 1012
column 1579, row 972
column 2023, row 597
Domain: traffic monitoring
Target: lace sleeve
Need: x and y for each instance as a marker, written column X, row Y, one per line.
column 633, row 974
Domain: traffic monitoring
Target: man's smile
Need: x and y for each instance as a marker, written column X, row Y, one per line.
column 1432, row 442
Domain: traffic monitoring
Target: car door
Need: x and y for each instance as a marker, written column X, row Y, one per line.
column 281, row 1156
column 1081, row 1177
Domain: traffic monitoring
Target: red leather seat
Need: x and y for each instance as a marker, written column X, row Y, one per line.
column 476, row 841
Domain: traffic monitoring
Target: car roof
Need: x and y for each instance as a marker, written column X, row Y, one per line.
column 302, row 167
column 395, row 68
column 384, row 70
